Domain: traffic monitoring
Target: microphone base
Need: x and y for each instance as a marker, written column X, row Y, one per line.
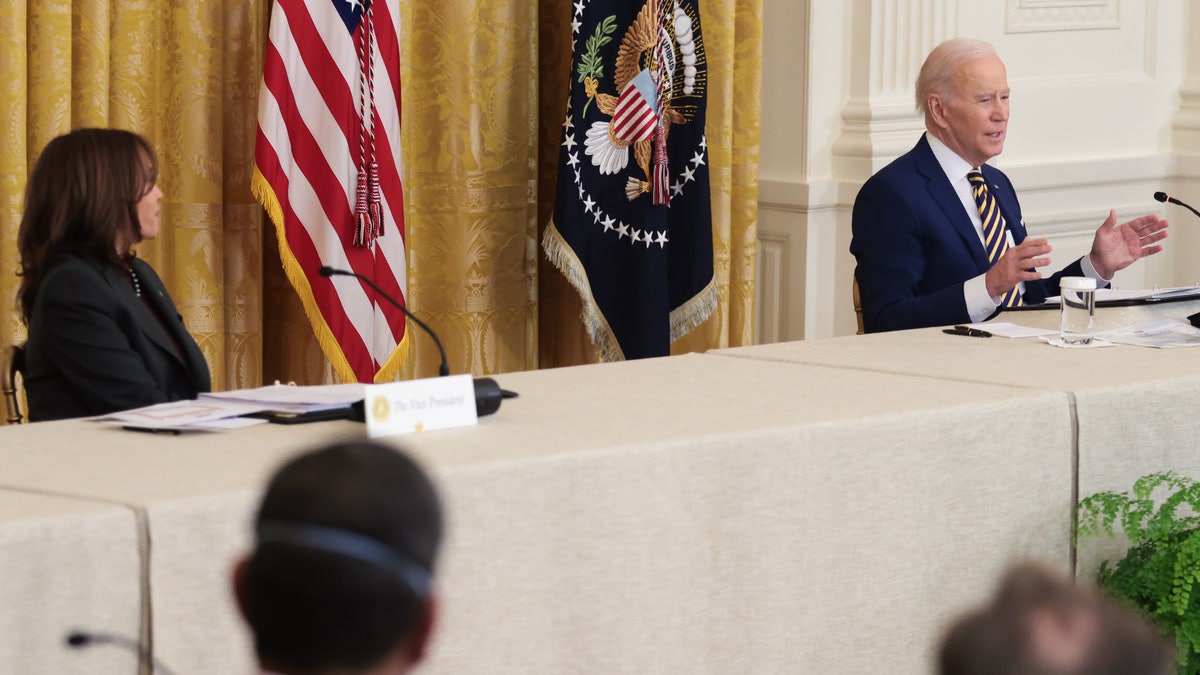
column 488, row 396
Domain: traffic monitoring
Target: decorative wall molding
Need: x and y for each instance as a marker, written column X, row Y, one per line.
column 1187, row 167
column 1094, row 173
column 1038, row 16
column 879, row 119
column 902, row 33
column 874, row 133
column 803, row 196
column 1185, row 126
column 771, row 300
column 1188, row 116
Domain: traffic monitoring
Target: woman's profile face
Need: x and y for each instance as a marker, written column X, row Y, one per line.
column 149, row 212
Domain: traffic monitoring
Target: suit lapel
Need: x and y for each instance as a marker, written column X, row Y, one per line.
column 146, row 322
column 943, row 194
column 191, row 357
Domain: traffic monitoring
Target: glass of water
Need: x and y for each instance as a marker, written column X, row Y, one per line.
column 1078, row 325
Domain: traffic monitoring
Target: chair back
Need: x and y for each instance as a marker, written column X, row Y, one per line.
column 858, row 308
column 12, row 366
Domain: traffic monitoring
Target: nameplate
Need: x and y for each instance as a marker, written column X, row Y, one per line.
column 419, row 405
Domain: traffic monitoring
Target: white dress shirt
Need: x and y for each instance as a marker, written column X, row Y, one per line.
column 980, row 305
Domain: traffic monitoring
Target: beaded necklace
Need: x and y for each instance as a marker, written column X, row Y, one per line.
column 137, row 285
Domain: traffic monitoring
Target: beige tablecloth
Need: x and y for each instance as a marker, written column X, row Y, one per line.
column 65, row 565
column 1135, row 407
column 694, row 514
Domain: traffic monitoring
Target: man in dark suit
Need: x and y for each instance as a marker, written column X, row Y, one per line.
column 938, row 234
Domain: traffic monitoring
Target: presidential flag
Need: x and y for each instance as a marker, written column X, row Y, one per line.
column 327, row 170
column 632, row 227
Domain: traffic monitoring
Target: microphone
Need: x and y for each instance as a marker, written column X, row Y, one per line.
column 488, row 394
column 1164, row 197
column 80, row 639
column 327, row 271
column 1193, row 319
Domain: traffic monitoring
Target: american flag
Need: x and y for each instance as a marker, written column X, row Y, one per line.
column 311, row 145
column 636, row 116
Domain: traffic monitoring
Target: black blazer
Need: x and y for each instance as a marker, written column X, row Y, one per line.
column 95, row 348
column 916, row 245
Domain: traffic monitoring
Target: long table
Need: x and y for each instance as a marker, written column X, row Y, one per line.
column 1134, row 408
column 701, row 513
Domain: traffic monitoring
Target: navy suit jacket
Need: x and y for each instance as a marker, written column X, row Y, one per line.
column 916, row 245
column 94, row 347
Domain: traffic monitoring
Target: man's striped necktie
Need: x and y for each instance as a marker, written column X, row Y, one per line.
column 994, row 238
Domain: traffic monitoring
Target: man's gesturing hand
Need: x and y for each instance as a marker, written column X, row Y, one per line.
column 1016, row 265
column 1116, row 247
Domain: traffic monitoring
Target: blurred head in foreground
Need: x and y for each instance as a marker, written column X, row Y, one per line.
column 1041, row 624
column 340, row 579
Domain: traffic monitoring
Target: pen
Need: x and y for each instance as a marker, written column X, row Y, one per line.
column 968, row 331
column 152, row 430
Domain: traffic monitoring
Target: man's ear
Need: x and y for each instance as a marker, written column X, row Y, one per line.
column 237, row 579
column 419, row 641
column 936, row 106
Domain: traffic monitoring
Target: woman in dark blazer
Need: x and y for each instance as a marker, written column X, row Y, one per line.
column 104, row 334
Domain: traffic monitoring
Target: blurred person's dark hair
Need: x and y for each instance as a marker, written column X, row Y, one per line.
column 1041, row 624
column 340, row 576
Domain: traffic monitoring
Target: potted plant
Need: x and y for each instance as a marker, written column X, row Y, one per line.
column 1161, row 570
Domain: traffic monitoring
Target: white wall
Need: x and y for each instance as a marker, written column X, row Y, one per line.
column 1105, row 111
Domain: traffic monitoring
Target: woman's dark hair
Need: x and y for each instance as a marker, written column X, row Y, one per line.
column 81, row 200
column 317, row 601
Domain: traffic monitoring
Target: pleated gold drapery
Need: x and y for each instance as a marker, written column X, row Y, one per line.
column 184, row 75
column 733, row 39
column 485, row 94
column 469, row 148
column 484, row 87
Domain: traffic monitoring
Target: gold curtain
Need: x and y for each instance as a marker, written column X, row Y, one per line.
column 185, row 75
column 469, row 148
column 733, row 40
column 484, row 95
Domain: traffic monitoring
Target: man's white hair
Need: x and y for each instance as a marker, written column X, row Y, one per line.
column 937, row 73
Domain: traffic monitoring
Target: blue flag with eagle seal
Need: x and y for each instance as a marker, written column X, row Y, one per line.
column 632, row 227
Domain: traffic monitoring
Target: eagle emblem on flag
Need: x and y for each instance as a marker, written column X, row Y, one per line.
column 632, row 228
column 648, row 101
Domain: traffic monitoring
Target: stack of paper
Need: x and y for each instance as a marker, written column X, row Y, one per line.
column 226, row 410
column 293, row 399
column 1162, row 334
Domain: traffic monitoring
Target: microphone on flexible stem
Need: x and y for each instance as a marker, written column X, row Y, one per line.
column 488, row 394
column 80, row 639
column 1194, row 319
column 327, row 271
column 1164, row 197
